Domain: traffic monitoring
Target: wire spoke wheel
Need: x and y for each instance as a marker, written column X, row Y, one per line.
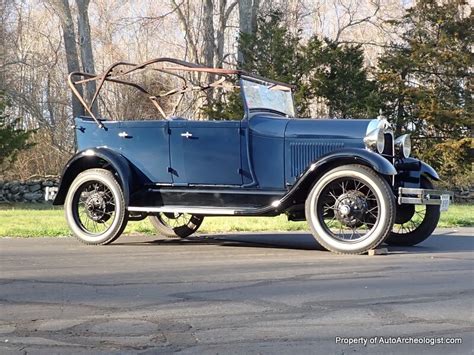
column 94, row 207
column 414, row 223
column 175, row 220
column 350, row 210
column 175, row 224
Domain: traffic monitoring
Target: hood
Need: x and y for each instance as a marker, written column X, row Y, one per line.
column 332, row 129
column 306, row 140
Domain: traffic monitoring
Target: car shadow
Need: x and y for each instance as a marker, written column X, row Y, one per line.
column 439, row 243
column 302, row 241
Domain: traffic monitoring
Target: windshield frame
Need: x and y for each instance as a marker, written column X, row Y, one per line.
column 266, row 82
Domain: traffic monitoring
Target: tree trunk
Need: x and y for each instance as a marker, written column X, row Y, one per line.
column 253, row 16
column 248, row 11
column 3, row 53
column 224, row 14
column 85, row 45
column 208, row 43
column 221, row 34
column 64, row 12
column 208, row 35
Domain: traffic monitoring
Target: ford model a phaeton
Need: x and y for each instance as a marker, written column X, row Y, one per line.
column 354, row 183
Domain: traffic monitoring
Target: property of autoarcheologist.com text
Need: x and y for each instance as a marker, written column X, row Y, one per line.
column 392, row 340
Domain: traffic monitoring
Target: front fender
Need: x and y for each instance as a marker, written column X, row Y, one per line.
column 428, row 170
column 304, row 182
column 355, row 156
column 423, row 168
column 95, row 158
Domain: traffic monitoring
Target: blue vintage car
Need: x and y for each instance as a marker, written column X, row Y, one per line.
column 352, row 180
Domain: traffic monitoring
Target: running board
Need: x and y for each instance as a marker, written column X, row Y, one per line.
column 219, row 211
column 183, row 209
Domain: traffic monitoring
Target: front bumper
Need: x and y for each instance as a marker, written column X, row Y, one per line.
column 416, row 196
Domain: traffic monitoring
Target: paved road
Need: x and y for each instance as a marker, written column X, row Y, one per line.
column 259, row 293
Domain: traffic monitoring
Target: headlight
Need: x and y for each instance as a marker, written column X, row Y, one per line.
column 403, row 146
column 375, row 140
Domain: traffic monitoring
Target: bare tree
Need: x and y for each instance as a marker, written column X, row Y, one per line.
column 36, row 54
column 182, row 10
column 365, row 23
column 85, row 45
column 352, row 19
column 63, row 10
column 224, row 16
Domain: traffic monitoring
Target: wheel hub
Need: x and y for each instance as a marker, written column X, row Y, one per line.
column 344, row 210
column 350, row 208
column 96, row 207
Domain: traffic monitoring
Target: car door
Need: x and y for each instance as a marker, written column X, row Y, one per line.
column 146, row 145
column 205, row 152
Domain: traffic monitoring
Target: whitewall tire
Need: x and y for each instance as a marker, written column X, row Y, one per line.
column 350, row 209
column 95, row 207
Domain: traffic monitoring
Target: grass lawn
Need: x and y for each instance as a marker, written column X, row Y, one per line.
column 36, row 220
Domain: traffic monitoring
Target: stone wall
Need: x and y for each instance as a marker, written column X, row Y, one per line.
column 465, row 195
column 31, row 191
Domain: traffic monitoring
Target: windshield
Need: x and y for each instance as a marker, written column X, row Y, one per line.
column 268, row 97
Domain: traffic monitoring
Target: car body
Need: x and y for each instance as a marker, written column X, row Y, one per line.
column 266, row 164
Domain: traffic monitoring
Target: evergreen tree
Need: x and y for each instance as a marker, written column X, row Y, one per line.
column 316, row 68
column 426, row 80
column 275, row 53
column 11, row 139
column 228, row 106
column 272, row 52
column 340, row 77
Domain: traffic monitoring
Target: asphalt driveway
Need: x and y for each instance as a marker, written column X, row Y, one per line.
column 245, row 293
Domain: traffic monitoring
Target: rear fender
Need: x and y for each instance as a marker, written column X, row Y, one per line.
column 96, row 158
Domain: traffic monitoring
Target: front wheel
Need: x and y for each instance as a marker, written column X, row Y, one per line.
column 176, row 225
column 95, row 207
column 414, row 223
column 350, row 209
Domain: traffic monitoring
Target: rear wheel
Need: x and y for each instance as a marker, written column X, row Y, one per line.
column 176, row 225
column 414, row 223
column 350, row 209
column 95, row 207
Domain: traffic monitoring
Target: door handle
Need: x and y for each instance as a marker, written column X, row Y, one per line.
column 123, row 135
column 187, row 135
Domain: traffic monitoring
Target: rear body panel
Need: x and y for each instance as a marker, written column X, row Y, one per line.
column 145, row 144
